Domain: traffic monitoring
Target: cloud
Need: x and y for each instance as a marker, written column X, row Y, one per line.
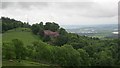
column 46, row 0
column 23, row 5
column 62, row 12
column 86, row 9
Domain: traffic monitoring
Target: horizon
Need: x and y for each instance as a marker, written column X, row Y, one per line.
column 65, row 24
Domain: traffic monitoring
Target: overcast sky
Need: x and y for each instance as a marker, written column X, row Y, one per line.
column 64, row 12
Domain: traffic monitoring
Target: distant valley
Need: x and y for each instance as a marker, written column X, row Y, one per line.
column 101, row 31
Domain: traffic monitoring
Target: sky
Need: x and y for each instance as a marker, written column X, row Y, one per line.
column 63, row 12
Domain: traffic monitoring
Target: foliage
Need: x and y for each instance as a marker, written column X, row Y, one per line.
column 38, row 28
column 61, row 40
column 20, row 50
column 51, row 26
column 16, row 64
column 8, row 51
column 85, row 57
column 8, row 24
column 104, row 59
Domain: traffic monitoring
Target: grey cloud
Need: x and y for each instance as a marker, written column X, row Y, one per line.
column 78, row 5
column 24, row 5
column 47, row 0
column 64, row 5
column 61, row 11
column 35, row 4
column 0, row 5
column 6, row 4
column 119, row 15
column 95, row 10
column 85, row 9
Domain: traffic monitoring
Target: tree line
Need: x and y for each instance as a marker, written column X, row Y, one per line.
column 8, row 24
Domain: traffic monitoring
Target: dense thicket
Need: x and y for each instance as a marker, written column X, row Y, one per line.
column 8, row 24
column 39, row 28
column 97, row 54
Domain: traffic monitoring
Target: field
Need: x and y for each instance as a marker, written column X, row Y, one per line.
column 23, row 34
column 26, row 36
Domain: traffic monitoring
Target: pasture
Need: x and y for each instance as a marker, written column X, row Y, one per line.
column 23, row 34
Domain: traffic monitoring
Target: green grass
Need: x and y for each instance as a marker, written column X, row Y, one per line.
column 27, row 37
column 23, row 34
column 22, row 63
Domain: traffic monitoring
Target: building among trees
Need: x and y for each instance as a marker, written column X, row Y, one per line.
column 51, row 33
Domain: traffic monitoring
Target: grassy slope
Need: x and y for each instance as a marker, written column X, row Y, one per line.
column 25, row 36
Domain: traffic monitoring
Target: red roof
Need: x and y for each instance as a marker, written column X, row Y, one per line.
column 51, row 33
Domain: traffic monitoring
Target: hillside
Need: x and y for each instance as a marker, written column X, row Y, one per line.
column 24, row 34
column 52, row 45
column 27, row 37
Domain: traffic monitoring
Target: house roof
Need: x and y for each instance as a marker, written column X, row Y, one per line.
column 51, row 33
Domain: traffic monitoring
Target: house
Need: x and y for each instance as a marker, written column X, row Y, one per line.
column 51, row 33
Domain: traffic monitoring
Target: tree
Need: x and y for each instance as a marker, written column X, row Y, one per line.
column 104, row 59
column 70, row 56
column 85, row 57
column 62, row 31
column 8, row 24
column 8, row 51
column 41, row 25
column 51, row 26
column 20, row 50
column 46, row 38
column 38, row 29
column 35, row 28
column 54, row 26
column 60, row 40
